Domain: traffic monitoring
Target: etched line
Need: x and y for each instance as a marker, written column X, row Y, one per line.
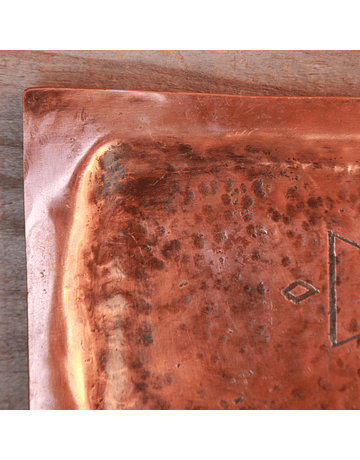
column 345, row 240
column 346, row 340
column 332, row 293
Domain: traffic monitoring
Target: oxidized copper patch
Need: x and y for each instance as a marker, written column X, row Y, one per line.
column 192, row 251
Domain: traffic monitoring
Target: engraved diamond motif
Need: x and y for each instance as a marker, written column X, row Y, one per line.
column 297, row 299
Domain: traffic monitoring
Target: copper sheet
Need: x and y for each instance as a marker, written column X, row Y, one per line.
column 192, row 251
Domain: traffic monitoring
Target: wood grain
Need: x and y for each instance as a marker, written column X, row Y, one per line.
column 295, row 73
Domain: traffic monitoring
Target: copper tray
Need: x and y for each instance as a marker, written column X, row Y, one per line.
column 191, row 251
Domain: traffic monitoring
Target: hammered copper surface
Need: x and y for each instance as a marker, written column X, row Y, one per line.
column 192, row 251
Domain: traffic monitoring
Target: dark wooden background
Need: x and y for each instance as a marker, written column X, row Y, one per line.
column 289, row 73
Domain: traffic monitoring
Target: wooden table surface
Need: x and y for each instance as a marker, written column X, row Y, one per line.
column 288, row 73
